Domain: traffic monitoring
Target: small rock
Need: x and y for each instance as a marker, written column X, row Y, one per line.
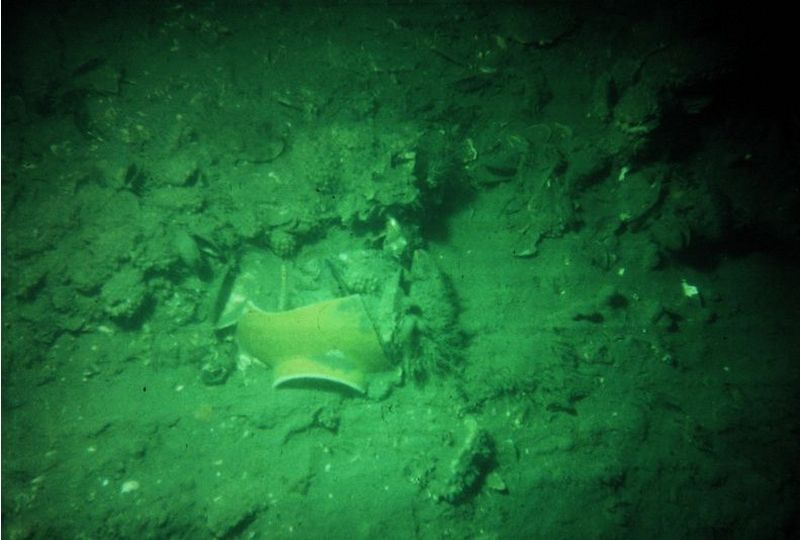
column 495, row 482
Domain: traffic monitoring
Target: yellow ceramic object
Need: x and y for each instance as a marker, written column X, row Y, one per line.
column 332, row 340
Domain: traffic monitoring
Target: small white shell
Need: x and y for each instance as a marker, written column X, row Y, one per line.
column 689, row 291
column 129, row 485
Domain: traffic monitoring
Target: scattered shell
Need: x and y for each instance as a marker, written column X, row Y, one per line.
column 129, row 486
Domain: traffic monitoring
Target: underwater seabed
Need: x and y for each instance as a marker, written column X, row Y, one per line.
column 398, row 270
column 557, row 404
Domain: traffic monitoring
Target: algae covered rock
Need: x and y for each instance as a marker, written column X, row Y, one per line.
column 429, row 336
column 125, row 294
column 465, row 474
